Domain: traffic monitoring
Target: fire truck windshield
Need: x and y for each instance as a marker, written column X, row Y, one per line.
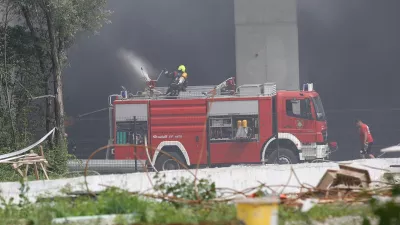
column 319, row 108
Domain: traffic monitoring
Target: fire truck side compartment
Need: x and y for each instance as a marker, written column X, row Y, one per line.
column 223, row 117
column 178, row 126
column 125, row 116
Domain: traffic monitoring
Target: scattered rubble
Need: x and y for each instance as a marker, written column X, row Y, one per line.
column 345, row 177
column 36, row 160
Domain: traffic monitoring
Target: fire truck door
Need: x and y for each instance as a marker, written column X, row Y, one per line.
column 296, row 117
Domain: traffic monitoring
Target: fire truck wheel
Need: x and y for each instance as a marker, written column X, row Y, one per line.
column 165, row 162
column 285, row 157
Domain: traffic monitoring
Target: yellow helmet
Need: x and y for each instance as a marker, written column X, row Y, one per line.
column 182, row 68
column 184, row 75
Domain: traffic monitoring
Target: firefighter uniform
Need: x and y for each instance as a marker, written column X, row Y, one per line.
column 178, row 80
column 365, row 138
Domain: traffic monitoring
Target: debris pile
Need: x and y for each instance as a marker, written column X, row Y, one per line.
column 345, row 177
column 36, row 160
column 348, row 184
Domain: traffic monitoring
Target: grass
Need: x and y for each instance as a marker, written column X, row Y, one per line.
column 7, row 174
column 147, row 211
column 114, row 201
column 323, row 212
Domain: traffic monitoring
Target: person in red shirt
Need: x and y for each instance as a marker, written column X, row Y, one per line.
column 365, row 138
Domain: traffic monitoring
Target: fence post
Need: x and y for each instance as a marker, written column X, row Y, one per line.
column 134, row 141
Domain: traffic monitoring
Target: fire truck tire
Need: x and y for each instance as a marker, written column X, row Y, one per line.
column 165, row 162
column 286, row 156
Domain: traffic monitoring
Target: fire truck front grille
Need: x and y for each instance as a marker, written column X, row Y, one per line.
column 310, row 152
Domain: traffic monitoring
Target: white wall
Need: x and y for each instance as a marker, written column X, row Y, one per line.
column 237, row 177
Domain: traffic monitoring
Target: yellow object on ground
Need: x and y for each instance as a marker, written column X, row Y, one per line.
column 258, row 211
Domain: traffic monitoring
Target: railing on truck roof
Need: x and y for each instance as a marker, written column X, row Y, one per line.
column 248, row 90
column 189, row 89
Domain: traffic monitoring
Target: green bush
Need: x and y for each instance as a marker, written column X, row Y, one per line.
column 111, row 201
column 185, row 188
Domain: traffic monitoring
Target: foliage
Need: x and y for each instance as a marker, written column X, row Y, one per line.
column 58, row 158
column 185, row 189
column 34, row 39
column 388, row 212
column 147, row 211
column 323, row 212
column 18, row 71
column 111, row 201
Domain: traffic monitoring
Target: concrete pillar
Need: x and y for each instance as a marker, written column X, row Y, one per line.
column 267, row 42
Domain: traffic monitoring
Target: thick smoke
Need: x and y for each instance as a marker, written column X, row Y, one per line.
column 159, row 34
column 349, row 49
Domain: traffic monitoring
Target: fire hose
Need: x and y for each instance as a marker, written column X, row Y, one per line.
column 148, row 154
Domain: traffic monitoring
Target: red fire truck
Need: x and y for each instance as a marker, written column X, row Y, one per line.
column 250, row 124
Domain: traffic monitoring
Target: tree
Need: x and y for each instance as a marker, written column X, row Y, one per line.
column 17, row 71
column 6, row 75
column 47, row 29
column 62, row 20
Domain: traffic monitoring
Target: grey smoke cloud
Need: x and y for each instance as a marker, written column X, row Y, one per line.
column 349, row 49
column 199, row 34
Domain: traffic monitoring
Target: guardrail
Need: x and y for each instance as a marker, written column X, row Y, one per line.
column 107, row 166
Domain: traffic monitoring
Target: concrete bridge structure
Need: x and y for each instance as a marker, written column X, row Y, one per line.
column 266, row 36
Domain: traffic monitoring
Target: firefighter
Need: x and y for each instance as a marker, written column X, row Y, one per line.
column 178, row 80
column 365, row 138
column 182, row 68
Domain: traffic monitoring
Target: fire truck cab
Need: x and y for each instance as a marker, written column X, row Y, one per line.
column 255, row 124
